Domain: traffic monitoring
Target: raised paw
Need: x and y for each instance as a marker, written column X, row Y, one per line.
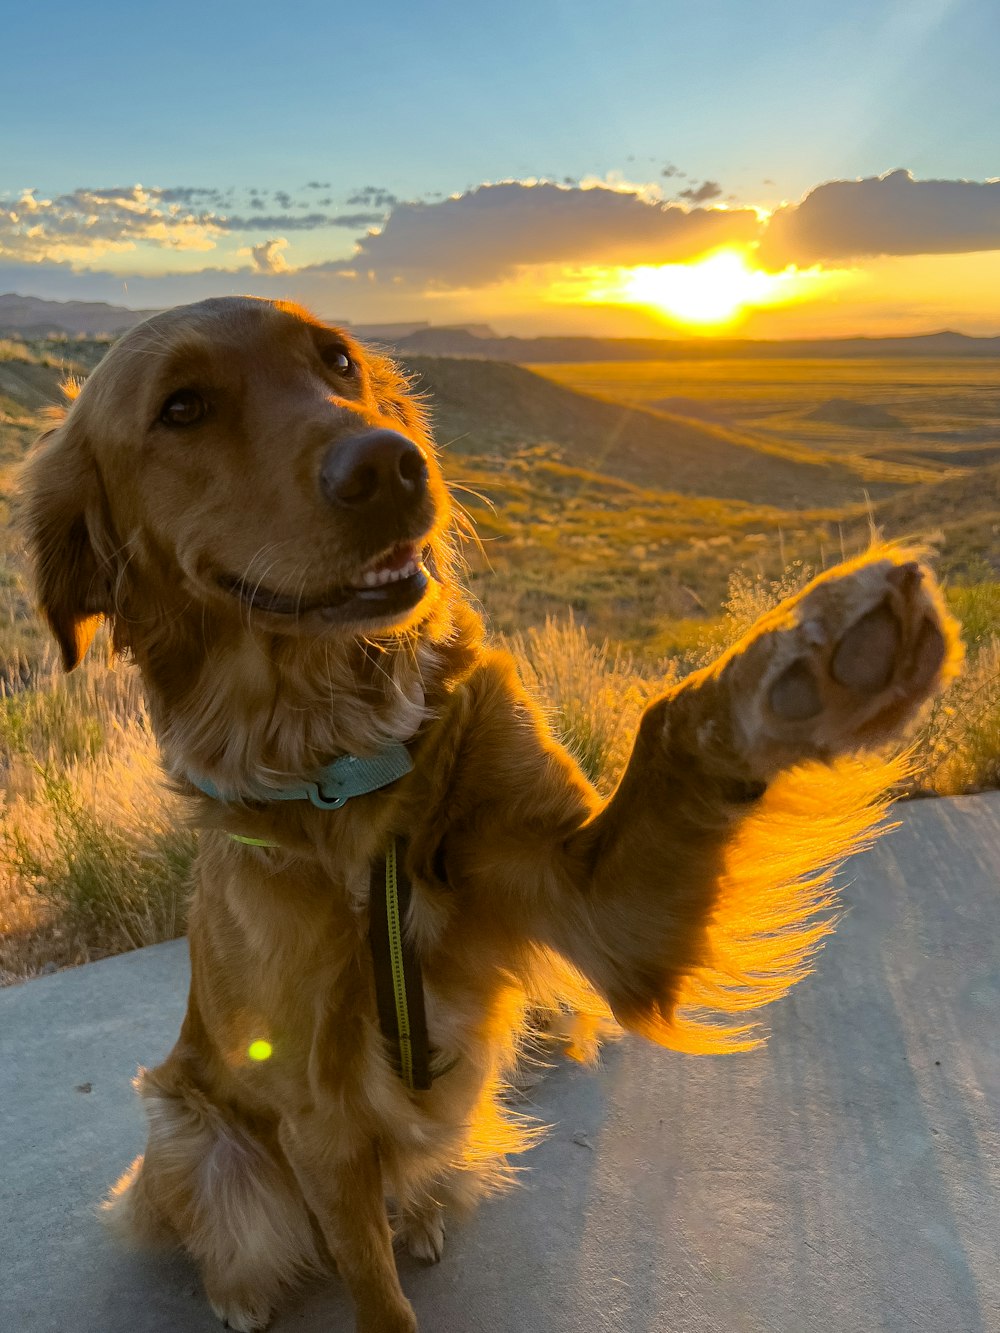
column 847, row 664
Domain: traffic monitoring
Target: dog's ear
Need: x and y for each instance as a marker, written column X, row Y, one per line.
column 60, row 504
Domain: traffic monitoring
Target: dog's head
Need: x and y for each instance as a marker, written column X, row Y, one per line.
column 238, row 458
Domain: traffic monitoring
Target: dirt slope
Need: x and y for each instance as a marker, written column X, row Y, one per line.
column 489, row 407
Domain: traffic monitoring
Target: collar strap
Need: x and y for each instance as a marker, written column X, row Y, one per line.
column 333, row 786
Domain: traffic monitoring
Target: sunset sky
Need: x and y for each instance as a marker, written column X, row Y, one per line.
column 779, row 169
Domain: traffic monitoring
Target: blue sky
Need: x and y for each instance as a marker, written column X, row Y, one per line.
column 764, row 101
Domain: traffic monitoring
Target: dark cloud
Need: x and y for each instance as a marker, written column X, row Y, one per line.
column 356, row 221
column 283, row 199
column 706, row 190
column 189, row 194
column 670, row 170
column 372, row 196
column 486, row 234
column 318, row 185
column 283, row 222
column 884, row 215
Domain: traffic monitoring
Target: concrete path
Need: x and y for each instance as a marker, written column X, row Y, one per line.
column 844, row 1180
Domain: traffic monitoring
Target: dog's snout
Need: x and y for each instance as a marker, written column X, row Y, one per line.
column 373, row 469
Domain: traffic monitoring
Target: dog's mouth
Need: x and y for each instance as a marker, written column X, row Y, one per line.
column 392, row 584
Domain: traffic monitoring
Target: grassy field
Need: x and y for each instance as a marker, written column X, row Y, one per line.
column 926, row 406
column 622, row 542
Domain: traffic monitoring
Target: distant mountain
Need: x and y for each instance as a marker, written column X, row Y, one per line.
column 458, row 342
column 416, row 332
column 31, row 317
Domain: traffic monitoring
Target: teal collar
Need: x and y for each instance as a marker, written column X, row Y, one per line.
column 332, row 786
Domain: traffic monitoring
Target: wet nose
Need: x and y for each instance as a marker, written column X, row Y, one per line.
column 367, row 472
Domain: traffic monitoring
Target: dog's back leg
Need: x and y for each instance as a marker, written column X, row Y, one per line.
column 225, row 1195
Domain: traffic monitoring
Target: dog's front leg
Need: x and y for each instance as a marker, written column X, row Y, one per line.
column 708, row 869
column 700, row 890
column 346, row 1196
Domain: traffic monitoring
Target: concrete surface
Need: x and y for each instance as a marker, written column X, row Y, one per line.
column 844, row 1180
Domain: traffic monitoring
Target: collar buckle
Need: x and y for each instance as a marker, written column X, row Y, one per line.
column 327, row 793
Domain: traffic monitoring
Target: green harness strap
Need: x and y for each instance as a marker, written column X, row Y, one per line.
column 399, row 987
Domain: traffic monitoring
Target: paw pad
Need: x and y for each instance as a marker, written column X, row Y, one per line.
column 865, row 658
column 795, row 695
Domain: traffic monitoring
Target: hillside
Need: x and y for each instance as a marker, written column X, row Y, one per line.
column 960, row 515
column 31, row 317
column 491, row 407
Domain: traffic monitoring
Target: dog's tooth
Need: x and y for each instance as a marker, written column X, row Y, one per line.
column 371, row 578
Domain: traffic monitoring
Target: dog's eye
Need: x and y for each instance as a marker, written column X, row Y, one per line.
column 186, row 407
column 336, row 359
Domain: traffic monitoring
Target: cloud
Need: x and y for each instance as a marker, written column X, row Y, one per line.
column 290, row 221
column 485, row 235
column 267, row 257
column 706, row 190
column 82, row 226
column 884, row 215
column 373, row 196
column 88, row 223
column 190, row 194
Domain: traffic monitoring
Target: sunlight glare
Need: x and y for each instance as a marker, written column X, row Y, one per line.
column 712, row 290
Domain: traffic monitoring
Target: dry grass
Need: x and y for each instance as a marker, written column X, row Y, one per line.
column 94, row 855
column 958, row 747
column 593, row 694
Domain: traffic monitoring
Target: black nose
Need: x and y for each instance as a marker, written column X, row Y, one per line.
column 367, row 471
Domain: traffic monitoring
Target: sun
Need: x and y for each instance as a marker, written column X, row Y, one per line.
column 713, row 291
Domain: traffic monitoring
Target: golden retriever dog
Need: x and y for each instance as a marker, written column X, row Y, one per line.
column 252, row 501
